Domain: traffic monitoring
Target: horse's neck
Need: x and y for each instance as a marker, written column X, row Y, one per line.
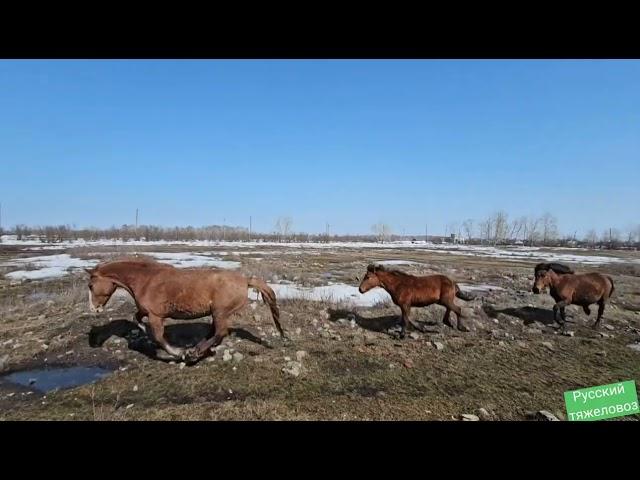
column 555, row 279
column 130, row 280
column 389, row 281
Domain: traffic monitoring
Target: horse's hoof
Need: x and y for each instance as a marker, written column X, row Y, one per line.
column 191, row 355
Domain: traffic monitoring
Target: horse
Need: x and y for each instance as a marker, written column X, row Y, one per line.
column 411, row 291
column 163, row 291
column 567, row 287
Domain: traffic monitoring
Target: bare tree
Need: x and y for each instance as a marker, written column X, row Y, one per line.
column 532, row 230
column 467, row 226
column 591, row 237
column 549, row 227
column 500, row 225
column 283, row 227
column 516, row 227
column 382, row 231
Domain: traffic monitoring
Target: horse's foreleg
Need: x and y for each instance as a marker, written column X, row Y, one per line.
column 157, row 329
column 558, row 312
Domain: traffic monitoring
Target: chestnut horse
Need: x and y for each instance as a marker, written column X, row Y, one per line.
column 567, row 287
column 410, row 291
column 163, row 291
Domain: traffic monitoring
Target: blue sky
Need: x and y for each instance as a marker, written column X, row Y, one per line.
column 350, row 143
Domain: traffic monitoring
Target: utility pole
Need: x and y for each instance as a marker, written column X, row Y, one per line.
column 224, row 221
column 136, row 224
column 249, row 227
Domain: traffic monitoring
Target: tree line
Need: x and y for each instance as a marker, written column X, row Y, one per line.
column 495, row 229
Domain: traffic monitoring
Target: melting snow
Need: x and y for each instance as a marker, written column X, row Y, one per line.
column 329, row 293
column 47, row 266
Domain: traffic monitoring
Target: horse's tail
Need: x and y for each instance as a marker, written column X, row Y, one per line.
column 462, row 295
column 269, row 297
column 612, row 287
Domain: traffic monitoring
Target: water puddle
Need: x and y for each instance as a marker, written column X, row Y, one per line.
column 46, row 380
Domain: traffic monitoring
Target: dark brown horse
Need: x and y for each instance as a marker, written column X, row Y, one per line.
column 162, row 291
column 567, row 287
column 410, row 291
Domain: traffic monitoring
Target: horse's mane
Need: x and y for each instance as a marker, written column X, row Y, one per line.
column 556, row 267
column 144, row 262
column 381, row 268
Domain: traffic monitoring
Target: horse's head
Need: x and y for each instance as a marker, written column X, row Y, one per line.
column 541, row 280
column 100, row 290
column 370, row 279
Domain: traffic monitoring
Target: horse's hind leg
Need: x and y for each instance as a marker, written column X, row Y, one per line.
column 461, row 324
column 600, row 312
column 586, row 309
column 405, row 320
column 157, row 329
column 220, row 329
column 447, row 317
column 138, row 317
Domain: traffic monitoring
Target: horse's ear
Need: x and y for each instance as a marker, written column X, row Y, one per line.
column 89, row 271
column 371, row 268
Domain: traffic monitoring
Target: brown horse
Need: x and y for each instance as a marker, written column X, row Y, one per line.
column 567, row 287
column 163, row 291
column 410, row 291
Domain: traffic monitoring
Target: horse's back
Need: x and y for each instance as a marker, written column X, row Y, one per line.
column 430, row 289
column 590, row 287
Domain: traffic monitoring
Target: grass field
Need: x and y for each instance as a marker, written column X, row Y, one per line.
column 344, row 362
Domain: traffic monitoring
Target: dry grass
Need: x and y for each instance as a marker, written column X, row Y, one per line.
column 351, row 371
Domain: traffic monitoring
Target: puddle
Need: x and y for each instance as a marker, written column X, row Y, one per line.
column 46, row 380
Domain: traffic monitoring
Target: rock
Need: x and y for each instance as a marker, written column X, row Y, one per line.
column 534, row 331
column 414, row 335
column 298, row 331
column 211, row 359
column 484, row 414
column 129, row 406
column 300, row 354
column 521, row 344
column 287, row 359
column 42, row 317
column 467, row 417
column 502, row 344
column 292, row 368
column 135, row 388
column 226, row 356
column 70, row 352
column 543, row 416
column 408, row 363
column 438, row 345
column 569, row 333
column 549, row 345
column 4, row 361
column 369, row 339
column 237, row 357
column 609, row 327
column 632, row 346
column 258, row 359
column 181, row 365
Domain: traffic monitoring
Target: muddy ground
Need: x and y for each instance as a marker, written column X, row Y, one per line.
column 343, row 363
